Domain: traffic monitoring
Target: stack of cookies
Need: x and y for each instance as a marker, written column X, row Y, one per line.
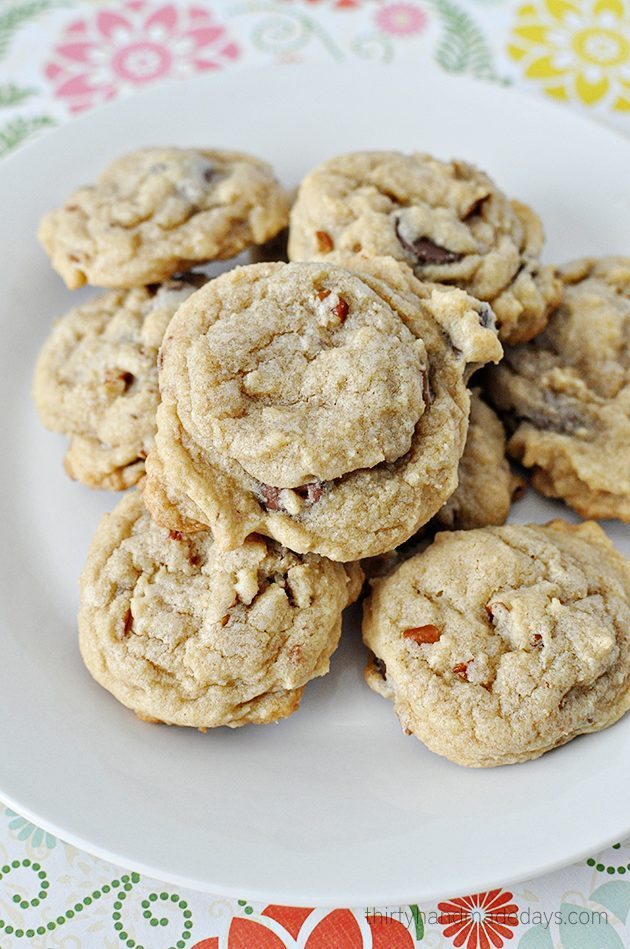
column 294, row 426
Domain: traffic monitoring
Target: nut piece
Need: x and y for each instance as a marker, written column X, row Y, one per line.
column 423, row 635
column 324, row 242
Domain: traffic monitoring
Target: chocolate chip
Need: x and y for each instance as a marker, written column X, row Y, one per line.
column 427, row 251
column 311, row 492
column 380, row 666
column 271, row 497
column 209, row 174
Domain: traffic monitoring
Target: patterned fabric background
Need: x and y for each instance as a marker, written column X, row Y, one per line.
column 61, row 57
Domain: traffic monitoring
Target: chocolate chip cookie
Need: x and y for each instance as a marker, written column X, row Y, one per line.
column 159, row 211
column 324, row 407
column 566, row 394
column 486, row 483
column 499, row 644
column 447, row 220
column 485, row 490
column 184, row 633
column 96, row 380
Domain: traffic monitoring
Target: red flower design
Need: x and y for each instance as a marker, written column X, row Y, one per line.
column 338, row 929
column 131, row 45
column 480, row 921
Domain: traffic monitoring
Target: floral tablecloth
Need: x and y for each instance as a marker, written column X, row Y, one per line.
column 61, row 57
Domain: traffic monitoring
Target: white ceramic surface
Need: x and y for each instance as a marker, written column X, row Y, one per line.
column 333, row 806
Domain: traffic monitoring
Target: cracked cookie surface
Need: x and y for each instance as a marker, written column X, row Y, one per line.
column 184, row 633
column 499, row 644
column 322, row 407
column 568, row 393
column 447, row 220
column 96, row 380
column 159, row 211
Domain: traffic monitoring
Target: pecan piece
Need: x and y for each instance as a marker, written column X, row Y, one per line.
column 423, row 635
column 461, row 670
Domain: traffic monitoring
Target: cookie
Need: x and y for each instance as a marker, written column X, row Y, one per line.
column 485, row 490
column 486, row 483
column 566, row 394
column 447, row 220
column 322, row 407
column 159, row 211
column 184, row 633
column 96, row 380
column 497, row 645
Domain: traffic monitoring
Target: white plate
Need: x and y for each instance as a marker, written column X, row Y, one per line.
column 333, row 806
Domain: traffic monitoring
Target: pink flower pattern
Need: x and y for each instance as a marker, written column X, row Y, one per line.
column 401, row 19
column 131, row 45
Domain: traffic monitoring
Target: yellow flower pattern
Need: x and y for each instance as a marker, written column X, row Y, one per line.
column 576, row 49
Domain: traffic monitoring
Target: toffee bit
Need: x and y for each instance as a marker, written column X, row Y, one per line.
column 536, row 640
column 322, row 294
column 341, row 310
column 423, row 635
column 324, row 241
column 461, row 671
column 175, row 535
column 225, row 620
